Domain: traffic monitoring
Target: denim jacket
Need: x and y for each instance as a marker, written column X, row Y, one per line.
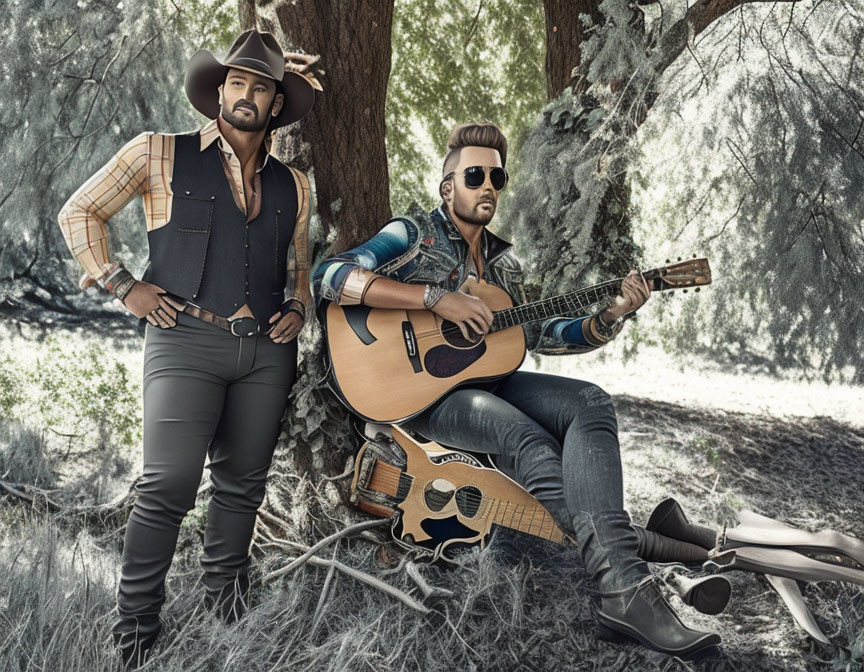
column 427, row 248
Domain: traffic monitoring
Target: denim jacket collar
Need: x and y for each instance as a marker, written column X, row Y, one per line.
column 493, row 246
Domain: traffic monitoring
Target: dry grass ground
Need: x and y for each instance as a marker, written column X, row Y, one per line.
column 518, row 605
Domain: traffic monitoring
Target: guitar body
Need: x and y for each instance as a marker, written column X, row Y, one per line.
column 442, row 499
column 389, row 365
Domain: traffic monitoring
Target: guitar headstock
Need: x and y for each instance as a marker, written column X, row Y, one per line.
column 680, row 275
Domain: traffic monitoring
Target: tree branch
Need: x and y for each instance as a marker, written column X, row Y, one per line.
column 698, row 17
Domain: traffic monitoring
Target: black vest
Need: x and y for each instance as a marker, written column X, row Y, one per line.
column 207, row 252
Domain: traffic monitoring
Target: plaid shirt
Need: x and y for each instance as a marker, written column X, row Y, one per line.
column 144, row 167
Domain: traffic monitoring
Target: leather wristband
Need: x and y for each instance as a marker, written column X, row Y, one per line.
column 118, row 281
column 291, row 306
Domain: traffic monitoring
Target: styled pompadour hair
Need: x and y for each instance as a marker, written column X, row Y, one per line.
column 474, row 134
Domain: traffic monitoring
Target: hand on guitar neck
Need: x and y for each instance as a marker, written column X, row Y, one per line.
column 634, row 293
column 468, row 312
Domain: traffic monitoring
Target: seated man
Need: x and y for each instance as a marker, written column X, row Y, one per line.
column 557, row 436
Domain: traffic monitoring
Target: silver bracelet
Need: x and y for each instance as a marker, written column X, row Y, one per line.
column 432, row 295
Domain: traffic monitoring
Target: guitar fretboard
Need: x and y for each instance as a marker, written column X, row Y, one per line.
column 576, row 302
column 531, row 519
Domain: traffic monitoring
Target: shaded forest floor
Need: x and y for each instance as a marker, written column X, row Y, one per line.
column 518, row 605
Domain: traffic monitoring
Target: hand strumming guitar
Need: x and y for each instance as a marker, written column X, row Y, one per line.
column 634, row 293
column 466, row 311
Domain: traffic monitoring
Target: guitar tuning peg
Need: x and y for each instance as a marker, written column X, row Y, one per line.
column 685, row 291
column 679, row 258
column 697, row 289
column 668, row 262
column 694, row 256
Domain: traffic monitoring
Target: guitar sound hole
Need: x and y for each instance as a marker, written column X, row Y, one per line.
column 468, row 500
column 437, row 494
column 453, row 335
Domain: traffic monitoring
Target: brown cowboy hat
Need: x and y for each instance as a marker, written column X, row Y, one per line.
column 259, row 53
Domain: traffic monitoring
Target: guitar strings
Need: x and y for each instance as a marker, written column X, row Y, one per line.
column 523, row 307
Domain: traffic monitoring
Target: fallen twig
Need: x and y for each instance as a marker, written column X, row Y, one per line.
column 12, row 490
column 355, row 573
column 429, row 591
column 366, row 524
column 322, row 600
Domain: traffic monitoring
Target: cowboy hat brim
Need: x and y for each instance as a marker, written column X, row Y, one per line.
column 205, row 74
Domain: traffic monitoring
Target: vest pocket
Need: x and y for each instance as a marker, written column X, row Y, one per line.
column 194, row 217
column 192, row 214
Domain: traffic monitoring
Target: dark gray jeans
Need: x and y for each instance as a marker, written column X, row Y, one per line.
column 556, row 436
column 205, row 392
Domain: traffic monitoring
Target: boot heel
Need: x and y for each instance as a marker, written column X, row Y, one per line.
column 606, row 633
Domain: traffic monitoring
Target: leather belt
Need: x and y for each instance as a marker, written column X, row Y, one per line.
column 239, row 326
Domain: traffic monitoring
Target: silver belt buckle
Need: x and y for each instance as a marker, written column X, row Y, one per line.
column 251, row 326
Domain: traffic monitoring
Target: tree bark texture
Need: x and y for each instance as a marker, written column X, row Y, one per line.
column 345, row 129
column 248, row 14
column 564, row 33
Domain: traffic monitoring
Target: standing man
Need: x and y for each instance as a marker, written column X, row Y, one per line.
column 227, row 232
column 556, row 436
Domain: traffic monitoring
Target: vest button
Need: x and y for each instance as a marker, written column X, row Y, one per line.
column 188, row 192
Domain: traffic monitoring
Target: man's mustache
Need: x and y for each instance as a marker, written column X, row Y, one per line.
column 241, row 103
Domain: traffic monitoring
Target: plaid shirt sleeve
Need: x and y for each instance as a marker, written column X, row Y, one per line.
column 82, row 219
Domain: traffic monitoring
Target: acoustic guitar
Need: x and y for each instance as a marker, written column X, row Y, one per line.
column 389, row 365
column 441, row 499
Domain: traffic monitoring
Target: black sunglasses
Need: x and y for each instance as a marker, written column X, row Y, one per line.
column 475, row 177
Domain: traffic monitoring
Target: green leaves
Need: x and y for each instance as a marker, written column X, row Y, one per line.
column 86, row 393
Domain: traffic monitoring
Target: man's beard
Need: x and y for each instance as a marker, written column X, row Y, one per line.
column 473, row 216
column 242, row 123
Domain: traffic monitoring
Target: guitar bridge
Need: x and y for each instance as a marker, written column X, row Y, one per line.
column 411, row 350
column 381, row 464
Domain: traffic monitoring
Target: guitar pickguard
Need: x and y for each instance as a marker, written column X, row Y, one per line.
column 357, row 318
column 442, row 361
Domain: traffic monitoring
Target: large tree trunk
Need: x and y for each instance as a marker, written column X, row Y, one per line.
column 248, row 14
column 565, row 32
column 341, row 142
column 345, row 130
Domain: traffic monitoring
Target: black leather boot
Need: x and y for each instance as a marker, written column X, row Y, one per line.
column 631, row 603
column 230, row 601
column 134, row 638
column 641, row 612
column 708, row 594
column 655, row 547
column 669, row 520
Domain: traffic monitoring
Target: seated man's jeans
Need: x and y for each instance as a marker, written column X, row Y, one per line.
column 556, row 436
